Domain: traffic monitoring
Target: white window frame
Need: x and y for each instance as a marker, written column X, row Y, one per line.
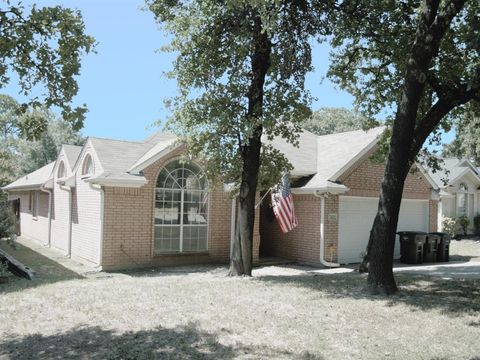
column 35, row 204
column 63, row 169
column 181, row 225
column 85, row 174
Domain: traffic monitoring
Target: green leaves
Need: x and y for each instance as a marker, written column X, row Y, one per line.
column 214, row 43
column 30, row 139
column 44, row 46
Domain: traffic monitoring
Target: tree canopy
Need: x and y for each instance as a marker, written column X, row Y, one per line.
column 372, row 44
column 405, row 55
column 41, row 47
column 19, row 156
column 331, row 120
column 467, row 134
column 240, row 70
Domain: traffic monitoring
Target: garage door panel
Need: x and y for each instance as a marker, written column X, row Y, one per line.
column 356, row 217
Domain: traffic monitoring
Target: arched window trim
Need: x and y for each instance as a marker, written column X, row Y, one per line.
column 88, row 166
column 462, row 199
column 184, row 216
column 62, row 170
column 463, row 187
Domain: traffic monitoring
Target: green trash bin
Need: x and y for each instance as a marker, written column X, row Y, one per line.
column 430, row 248
column 411, row 246
column 443, row 250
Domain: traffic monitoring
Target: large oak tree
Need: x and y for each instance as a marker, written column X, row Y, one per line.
column 420, row 58
column 41, row 49
column 240, row 68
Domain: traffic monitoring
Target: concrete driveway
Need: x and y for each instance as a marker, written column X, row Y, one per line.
column 451, row 270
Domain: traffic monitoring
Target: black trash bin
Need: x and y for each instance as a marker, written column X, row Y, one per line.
column 443, row 250
column 430, row 248
column 411, row 246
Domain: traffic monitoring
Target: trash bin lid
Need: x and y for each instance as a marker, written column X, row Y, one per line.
column 411, row 233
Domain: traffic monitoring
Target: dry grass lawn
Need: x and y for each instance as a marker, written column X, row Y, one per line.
column 197, row 313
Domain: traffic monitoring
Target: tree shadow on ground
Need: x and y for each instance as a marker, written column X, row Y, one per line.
column 420, row 292
column 463, row 258
column 214, row 269
column 186, row 342
column 47, row 271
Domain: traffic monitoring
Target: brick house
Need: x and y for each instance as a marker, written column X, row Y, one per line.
column 118, row 204
column 459, row 183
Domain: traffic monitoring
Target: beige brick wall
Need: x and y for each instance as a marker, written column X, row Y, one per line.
column 303, row 243
column 365, row 179
column 129, row 226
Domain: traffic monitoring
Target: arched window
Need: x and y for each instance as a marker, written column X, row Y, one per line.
column 61, row 173
column 87, row 168
column 462, row 199
column 181, row 209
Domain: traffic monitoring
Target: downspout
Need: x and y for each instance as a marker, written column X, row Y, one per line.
column 70, row 222
column 102, row 206
column 322, row 232
column 232, row 224
column 70, row 205
column 49, row 192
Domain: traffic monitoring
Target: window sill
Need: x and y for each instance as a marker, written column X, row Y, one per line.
column 181, row 254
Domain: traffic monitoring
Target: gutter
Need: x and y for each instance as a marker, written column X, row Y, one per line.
column 118, row 182
column 49, row 192
column 324, row 262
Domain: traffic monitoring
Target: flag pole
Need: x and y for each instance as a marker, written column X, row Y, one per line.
column 263, row 197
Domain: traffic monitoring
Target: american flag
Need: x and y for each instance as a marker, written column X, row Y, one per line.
column 282, row 203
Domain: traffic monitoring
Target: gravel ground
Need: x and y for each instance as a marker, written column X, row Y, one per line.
column 282, row 312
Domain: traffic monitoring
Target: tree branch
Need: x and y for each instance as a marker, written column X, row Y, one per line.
column 436, row 113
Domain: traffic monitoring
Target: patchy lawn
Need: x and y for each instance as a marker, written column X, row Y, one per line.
column 199, row 312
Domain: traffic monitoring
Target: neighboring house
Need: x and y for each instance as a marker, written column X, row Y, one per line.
column 119, row 204
column 459, row 183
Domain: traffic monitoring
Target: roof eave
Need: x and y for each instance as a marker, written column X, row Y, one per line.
column 115, row 182
column 135, row 169
column 23, row 187
column 334, row 190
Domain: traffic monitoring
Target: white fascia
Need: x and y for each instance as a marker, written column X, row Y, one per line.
column 139, row 167
column 118, row 182
column 321, row 190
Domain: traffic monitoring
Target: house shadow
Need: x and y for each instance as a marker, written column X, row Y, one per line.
column 185, row 342
column 419, row 292
column 46, row 270
column 159, row 271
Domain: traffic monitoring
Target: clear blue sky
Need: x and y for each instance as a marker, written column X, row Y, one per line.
column 123, row 85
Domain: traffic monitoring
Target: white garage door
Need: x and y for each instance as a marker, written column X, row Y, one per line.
column 356, row 215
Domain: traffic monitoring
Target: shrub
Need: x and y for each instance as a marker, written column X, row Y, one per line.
column 463, row 222
column 449, row 226
column 4, row 269
column 7, row 220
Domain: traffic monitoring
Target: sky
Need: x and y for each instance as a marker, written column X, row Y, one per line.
column 123, row 84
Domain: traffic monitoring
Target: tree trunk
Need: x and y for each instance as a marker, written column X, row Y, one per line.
column 382, row 236
column 430, row 31
column 242, row 259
